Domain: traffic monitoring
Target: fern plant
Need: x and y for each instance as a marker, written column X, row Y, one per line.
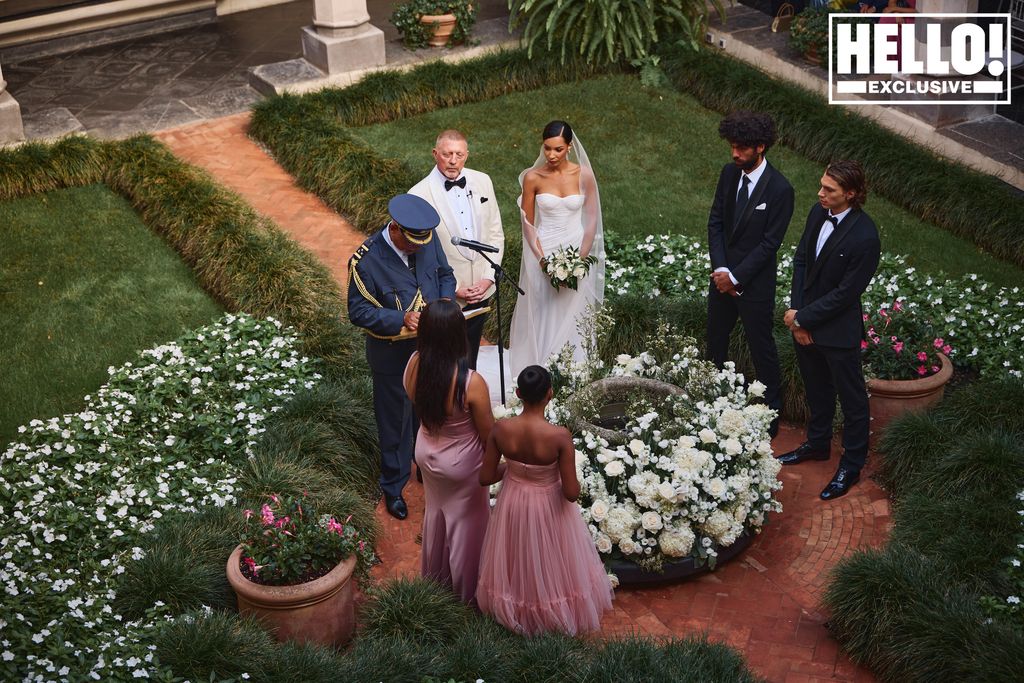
column 608, row 30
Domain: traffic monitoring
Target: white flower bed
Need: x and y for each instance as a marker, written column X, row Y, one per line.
column 696, row 471
column 983, row 323
column 165, row 435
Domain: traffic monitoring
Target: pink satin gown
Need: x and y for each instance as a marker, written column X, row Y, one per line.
column 457, row 507
column 540, row 570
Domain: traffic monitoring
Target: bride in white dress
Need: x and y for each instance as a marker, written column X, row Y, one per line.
column 559, row 207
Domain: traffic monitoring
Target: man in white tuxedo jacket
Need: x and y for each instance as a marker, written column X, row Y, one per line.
column 465, row 200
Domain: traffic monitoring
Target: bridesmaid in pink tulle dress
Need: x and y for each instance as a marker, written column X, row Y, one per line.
column 454, row 408
column 540, row 570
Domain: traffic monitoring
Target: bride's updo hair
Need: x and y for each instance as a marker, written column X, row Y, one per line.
column 533, row 384
column 557, row 129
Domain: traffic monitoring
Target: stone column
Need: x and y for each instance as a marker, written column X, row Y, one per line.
column 342, row 38
column 11, row 129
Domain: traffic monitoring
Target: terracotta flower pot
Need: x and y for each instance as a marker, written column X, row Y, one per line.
column 320, row 611
column 444, row 26
column 891, row 398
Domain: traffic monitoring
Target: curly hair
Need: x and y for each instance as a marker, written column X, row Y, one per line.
column 850, row 176
column 749, row 129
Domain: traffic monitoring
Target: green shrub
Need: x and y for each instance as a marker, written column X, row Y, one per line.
column 301, row 662
column 390, row 658
column 406, row 18
column 212, row 646
column 607, row 31
column 184, row 565
column 897, row 612
column 418, row 610
column 643, row 660
column 551, row 658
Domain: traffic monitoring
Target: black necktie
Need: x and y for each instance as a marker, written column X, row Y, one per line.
column 449, row 184
column 412, row 263
column 742, row 197
column 834, row 221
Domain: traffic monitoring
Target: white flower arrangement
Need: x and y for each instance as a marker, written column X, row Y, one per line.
column 695, row 471
column 166, row 435
column 566, row 267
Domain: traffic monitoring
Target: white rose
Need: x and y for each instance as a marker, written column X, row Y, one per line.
column 599, row 510
column 623, row 359
column 637, row 447
column 708, row 436
column 579, row 270
column 764, row 447
column 731, row 422
column 615, row 468
column 716, row 487
column 667, row 491
column 628, row 547
column 732, row 446
column 561, row 272
column 756, row 389
column 686, row 442
column 603, row 543
column 613, row 580
column 651, row 521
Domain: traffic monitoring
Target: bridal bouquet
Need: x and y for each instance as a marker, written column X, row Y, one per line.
column 565, row 267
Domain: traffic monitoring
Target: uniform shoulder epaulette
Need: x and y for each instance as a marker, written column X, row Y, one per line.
column 353, row 273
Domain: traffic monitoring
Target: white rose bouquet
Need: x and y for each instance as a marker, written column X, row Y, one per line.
column 565, row 267
column 693, row 472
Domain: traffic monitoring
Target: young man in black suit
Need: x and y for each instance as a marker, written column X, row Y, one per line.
column 834, row 264
column 751, row 211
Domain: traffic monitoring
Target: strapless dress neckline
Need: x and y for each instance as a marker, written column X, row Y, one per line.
column 557, row 196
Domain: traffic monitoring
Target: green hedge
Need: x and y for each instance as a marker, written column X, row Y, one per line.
column 969, row 204
column 414, row 631
column 910, row 611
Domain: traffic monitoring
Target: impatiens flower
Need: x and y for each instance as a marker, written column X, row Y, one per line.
column 946, row 348
column 897, row 347
column 863, row 345
column 938, row 343
column 267, row 515
column 922, row 370
column 922, row 356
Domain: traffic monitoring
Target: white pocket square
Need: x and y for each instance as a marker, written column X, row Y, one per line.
column 761, row 207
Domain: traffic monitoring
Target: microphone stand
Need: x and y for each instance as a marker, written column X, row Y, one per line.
column 499, row 275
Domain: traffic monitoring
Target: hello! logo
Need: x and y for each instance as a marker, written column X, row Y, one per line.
column 929, row 58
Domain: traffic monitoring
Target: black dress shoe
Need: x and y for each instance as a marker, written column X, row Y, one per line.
column 842, row 482
column 804, row 452
column 396, row 506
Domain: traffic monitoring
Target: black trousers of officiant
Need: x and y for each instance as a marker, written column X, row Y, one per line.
column 475, row 330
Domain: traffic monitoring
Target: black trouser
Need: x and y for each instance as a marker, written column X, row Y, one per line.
column 396, row 431
column 756, row 316
column 475, row 330
column 826, row 371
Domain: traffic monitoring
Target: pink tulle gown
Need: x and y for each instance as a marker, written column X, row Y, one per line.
column 540, row 570
column 457, row 507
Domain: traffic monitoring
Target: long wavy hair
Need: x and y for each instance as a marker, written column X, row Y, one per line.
column 441, row 342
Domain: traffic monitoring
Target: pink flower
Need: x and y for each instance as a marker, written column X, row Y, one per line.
column 248, row 513
column 922, row 370
column 267, row 514
column 274, row 498
column 922, row 356
column 897, row 305
column 332, row 525
column 893, row 338
column 362, row 545
column 883, row 312
column 863, row 344
column 946, row 348
column 250, row 564
column 897, row 347
column 935, row 368
column 865, row 317
column 348, row 519
column 938, row 343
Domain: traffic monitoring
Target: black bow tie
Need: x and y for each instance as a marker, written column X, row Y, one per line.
column 833, row 220
column 449, row 184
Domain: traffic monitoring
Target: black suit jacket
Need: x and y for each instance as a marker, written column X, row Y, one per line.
column 826, row 290
column 747, row 245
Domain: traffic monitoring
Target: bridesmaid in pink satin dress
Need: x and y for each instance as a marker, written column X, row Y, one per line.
column 453, row 405
column 540, row 570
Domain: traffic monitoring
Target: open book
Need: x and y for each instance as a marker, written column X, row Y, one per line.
column 409, row 334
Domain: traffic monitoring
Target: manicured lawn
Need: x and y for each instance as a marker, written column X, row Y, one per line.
column 657, row 155
column 84, row 285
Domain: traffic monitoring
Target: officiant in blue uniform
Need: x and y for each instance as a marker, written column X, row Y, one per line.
column 392, row 276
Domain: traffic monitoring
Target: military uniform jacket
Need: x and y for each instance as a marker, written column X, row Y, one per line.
column 382, row 288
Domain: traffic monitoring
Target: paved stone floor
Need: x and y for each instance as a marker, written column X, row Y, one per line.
column 186, row 75
column 765, row 602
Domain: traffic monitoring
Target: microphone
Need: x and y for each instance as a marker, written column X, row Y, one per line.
column 474, row 245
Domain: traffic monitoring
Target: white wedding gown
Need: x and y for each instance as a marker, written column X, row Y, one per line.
column 546, row 319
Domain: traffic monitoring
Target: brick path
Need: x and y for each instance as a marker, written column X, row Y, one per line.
column 765, row 602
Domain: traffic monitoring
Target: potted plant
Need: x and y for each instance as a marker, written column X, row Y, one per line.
column 293, row 571
column 808, row 34
column 906, row 363
column 434, row 23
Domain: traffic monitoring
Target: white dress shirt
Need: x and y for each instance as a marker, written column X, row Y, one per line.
column 387, row 238
column 752, row 177
column 460, row 201
column 826, row 230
